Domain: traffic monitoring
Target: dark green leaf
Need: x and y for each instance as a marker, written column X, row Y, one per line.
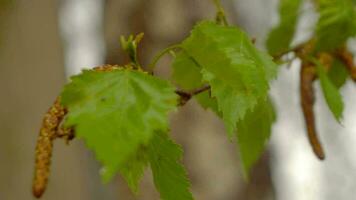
column 281, row 36
column 253, row 133
column 169, row 175
column 338, row 73
column 336, row 24
column 331, row 93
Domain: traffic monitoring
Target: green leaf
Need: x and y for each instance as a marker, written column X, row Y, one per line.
column 117, row 112
column 186, row 72
column 253, row 133
column 134, row 168
column 281, row 36
column 208, row 102
column 237, row 72
column 336, row 24
column 331, row 93
column 338, row 73
column 169, row 175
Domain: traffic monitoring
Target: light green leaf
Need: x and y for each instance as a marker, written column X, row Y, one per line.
column 253, row 133
column 336, row 24
column 281, row 36
column 208, row 102
column 338, row 73
column 134, row 168
column 117, row 112
column 169, row 175
column 331, row 93
column 186, row 72
column 237, row 72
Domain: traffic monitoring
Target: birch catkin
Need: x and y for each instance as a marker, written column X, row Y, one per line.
column 50, row 130
column 50, row 124
column 307, row 77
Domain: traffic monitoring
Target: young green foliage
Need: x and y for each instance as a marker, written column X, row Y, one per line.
column 117, row 112
column 164, row 157
column 338, row 73
column 281, row 36
column 331, row 93
column 207, row 102
column 186, row 72
column 253, row 133
column 133, row 169
column 236, row 71
column 336, row 24
column 239, row 76
column 169, row 175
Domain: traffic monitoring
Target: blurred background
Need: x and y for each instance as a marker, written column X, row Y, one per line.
column 43, row 42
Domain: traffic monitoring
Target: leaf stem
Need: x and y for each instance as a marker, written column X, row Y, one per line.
column 220, row 13
column 155, row 59
column 295, row 49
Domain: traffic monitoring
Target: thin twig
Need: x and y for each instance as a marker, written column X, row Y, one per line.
column 186, row 96
column 295, row 49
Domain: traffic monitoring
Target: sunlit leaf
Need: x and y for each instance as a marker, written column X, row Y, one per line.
column 237, row 72
column 117, row 112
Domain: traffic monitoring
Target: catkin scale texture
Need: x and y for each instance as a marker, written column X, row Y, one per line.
column 307, row 77
column 50, row 124
column 49, row 131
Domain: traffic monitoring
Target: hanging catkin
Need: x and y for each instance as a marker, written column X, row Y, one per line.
column 50, row 124
column 307, row 77
column 50, row 130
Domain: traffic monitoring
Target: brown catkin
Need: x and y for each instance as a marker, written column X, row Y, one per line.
column 50, row 130
column 307, row 77
column 106, row 68
column 50, row 124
